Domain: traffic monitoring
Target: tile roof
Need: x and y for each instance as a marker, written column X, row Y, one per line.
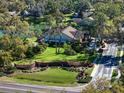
column 70, row 32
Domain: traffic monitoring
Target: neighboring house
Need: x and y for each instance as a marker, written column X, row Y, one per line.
column 87, row 14
column 68, row 34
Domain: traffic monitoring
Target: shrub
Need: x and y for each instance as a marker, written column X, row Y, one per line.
column 43, row 68
column 92, row 57
column 9, row 70
column 115, row 73
column 37, row 49
column 73, row 69
column 78, row 47
column 85, row 80
column 69, row 52
column 1, row 74
column 29, row 52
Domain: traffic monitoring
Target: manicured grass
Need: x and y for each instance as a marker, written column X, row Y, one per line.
column 51, row 76
column 50, row 55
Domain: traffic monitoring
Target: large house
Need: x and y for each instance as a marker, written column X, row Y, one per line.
column 68, row 34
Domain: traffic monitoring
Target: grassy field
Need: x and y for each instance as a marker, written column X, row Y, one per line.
column 51, row 76
column 50, row 55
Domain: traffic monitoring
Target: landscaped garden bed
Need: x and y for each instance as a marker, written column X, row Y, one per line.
column 53, row 64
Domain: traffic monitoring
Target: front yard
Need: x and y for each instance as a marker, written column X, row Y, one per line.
column 51, row 76
column 50, row 56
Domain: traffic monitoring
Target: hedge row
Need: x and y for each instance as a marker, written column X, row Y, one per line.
column 54, row 64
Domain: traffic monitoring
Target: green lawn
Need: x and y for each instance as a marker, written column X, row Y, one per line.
column 50, row 55
column 51, row 76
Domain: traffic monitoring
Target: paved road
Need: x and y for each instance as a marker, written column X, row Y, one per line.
column 104, row 68
column 23, row 88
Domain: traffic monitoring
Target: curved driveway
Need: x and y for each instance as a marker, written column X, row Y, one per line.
column 106, row 63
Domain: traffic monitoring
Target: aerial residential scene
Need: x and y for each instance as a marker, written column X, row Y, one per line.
column 61, row 46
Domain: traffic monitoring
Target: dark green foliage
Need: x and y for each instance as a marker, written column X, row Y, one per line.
column 92, row 57
column 73, row 69
column 85, row 80
column 29, row 52
column 36, row 49
column 69, row 52
column 5, row 59
column 2, row 74
column 79, row 47
column 115, row 73
column 83, row 77
column 9, row 70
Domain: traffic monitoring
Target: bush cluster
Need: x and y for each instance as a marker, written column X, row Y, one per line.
column 83, row 77
column 73, row 69
column 31, row 51
column 68, row 50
